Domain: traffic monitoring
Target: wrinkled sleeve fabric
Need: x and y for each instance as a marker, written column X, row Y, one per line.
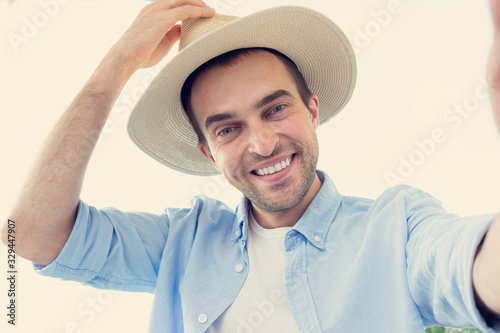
column 440, row 255
column 111, row 249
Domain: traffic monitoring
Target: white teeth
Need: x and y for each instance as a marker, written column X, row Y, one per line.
column 272, row 169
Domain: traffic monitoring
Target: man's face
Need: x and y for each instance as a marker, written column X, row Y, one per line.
column 259, row 133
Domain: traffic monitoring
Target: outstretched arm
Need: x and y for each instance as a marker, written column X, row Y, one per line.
column 45, row 210
column 486, row 271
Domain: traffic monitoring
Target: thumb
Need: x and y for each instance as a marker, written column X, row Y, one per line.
column 172, row 36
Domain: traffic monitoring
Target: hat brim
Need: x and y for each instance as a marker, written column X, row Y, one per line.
column 158, row 124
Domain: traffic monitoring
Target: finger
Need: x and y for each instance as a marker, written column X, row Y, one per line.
column 164, row 46
column 167, row 5
column 167, row 12
column 174, row 34
column 148, row 36
column 159, row 21
column 188, row 11
column 165, row 19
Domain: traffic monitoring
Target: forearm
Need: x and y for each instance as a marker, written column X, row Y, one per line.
column 46, row 207
column 486, row 270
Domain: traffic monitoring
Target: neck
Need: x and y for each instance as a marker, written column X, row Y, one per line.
column 289, row 217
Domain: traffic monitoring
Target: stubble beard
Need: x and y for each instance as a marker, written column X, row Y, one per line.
column 284, row 195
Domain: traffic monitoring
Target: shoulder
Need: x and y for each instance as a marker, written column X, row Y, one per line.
column 407, row 196
column 399, row 202
column 402, row 194
column 202, row 207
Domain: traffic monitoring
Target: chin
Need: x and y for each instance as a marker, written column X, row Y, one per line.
column 276, row 207
column 288, row 194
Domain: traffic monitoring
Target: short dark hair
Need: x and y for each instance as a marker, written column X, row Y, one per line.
column 227, row 59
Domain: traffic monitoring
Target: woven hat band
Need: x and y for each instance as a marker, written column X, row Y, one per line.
column 194, row 28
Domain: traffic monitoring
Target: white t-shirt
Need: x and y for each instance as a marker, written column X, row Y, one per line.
column 262, row 304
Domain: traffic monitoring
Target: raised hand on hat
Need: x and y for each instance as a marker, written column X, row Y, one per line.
column 47, row 205
column 154, row 31
column 493, row 67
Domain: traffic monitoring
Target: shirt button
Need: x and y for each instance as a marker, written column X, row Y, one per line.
column 202, row 318
column 238, row 268
column 317, row 238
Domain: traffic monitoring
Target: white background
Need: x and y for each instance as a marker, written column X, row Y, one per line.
column 414, row 67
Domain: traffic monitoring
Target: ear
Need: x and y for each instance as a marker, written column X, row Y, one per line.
column 314, row 110
column 205, row 151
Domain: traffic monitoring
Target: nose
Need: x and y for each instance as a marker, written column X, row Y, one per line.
column 262, row 140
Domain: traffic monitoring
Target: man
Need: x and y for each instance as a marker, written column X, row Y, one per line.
column 345, row 259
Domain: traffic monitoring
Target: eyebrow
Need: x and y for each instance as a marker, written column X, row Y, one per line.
column 218, row 117
column 263, row 102
column 271, row 97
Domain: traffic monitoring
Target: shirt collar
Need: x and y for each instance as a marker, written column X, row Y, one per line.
column 240, row 225
column 315, row 222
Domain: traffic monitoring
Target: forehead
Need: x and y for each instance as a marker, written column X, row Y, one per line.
column 238, row 85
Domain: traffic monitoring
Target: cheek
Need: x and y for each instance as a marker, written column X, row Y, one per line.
column 229, row 159
column 223, row 159
column 301, row 131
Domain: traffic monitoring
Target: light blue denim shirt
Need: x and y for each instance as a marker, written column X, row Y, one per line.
column 394, row 264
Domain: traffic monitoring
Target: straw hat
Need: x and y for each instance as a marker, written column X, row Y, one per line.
column 321, row 51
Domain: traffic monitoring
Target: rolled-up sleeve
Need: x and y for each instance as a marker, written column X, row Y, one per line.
column 112, row 249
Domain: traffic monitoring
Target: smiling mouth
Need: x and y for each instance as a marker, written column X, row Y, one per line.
column 274, row 168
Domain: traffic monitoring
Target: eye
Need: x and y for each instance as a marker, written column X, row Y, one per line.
column 225, row 131
column 277, row 109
